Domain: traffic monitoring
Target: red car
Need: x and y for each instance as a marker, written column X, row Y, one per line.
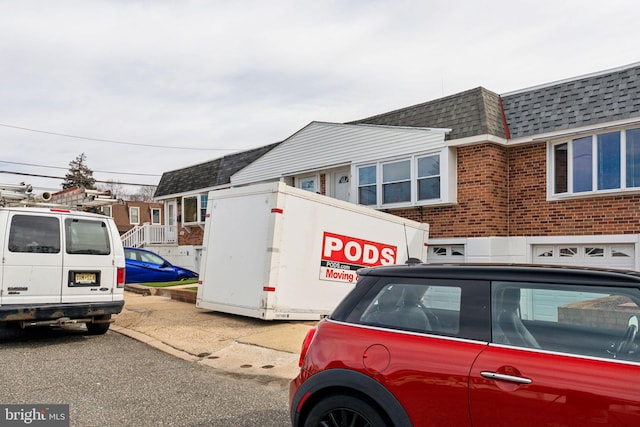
column 475, row 345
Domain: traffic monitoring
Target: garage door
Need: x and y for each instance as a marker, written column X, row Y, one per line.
column 589, row 255
column 446, row 253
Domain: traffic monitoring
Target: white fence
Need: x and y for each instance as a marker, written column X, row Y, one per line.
column 148, row 234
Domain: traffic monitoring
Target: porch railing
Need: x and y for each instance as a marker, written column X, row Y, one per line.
column 148, row 234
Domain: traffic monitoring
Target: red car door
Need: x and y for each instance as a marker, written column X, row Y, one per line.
column 521, row 387
column 427, row 371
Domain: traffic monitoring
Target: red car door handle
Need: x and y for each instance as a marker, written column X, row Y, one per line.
column 502, row 377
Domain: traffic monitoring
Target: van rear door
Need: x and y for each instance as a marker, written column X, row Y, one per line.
column 89, row 270
column 32, row 258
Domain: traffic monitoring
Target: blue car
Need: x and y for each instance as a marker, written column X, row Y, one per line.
column 146, row 266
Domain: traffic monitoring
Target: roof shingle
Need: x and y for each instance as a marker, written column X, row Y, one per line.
column 473, row 112
column 605, row 97
column 210, row 174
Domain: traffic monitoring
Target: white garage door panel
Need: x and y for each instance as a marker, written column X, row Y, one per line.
column 589, row 255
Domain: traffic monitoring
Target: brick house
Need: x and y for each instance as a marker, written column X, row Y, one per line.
column 556, row 180
column 183, row 193
column 130, row 214
column 127, row 215
column 549, row 174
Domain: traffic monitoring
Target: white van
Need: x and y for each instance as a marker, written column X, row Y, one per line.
column 59, row 267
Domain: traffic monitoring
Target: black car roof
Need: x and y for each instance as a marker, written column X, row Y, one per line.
column 510, row 272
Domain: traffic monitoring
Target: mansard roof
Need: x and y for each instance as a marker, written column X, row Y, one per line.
column 601, row 97
column 582, row 101
column 210, row 174
column 473, row 112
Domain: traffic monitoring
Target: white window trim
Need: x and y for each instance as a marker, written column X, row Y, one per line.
column 448, row 179
column 159, row 216
column 131, row 210
column 570, row 195
column 198, row 197
column 315, row 177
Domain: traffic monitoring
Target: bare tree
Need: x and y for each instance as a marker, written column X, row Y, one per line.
column 145, row 193
column 116, row 189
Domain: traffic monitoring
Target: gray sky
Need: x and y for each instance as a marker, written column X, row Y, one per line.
column 226, row 76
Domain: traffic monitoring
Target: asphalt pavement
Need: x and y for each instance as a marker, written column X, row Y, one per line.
column 234, row 344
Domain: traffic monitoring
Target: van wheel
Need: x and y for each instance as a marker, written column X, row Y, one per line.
column 98, row 328
column 343, row 410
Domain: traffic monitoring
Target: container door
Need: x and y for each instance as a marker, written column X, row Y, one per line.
column 89, row 272
column 32, row 260
column 236, row 260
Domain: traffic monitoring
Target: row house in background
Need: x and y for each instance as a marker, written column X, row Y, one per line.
column 130, row 215
column 183, row 193
column 549, row 174
column 555, row 180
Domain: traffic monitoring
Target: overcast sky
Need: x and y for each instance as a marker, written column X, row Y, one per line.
column 225, row 76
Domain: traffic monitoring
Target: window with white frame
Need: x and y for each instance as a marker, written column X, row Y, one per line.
column 203, row 207
column 194, row 209
column 446, row 253
column 309, row 183
column 134, row 215
column 155, row 216
column 396, row 182
column 367, row 187
column 429, row 178
column 597, row 163
column 415, row 180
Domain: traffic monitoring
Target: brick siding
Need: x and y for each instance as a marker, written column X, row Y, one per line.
column 194, row 237
column 482, row 197
column 531, row 214
column 120, row 214
column 502, row 192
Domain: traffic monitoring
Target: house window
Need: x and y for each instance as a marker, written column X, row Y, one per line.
column 633, row 158
column 367, row 188
column 582, row 161
column 396, row 182
column 604, row 162
column 203, row 207
column 194, row 209
column 155, row 216
column 190, row 209
column 561, row 168
column 405, row 182
column 134, row 215
column 429, row 178
column 308, row 183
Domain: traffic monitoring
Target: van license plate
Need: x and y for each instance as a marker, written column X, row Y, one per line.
column 85, row 278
